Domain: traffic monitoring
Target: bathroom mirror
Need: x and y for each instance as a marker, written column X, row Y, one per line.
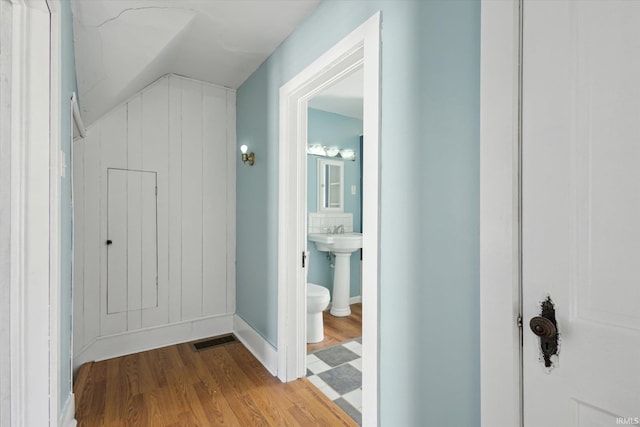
column 330, row 185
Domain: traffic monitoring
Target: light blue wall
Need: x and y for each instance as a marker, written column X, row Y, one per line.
column 340, row 131
column 69, row 85
column 429, row 199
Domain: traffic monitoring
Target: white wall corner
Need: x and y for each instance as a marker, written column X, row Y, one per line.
column 256, row 344
column 67, row 417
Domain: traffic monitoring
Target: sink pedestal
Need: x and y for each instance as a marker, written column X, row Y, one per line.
column 342, row 245
column 341, row 275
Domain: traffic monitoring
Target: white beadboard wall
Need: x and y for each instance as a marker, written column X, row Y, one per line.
column 184, row 130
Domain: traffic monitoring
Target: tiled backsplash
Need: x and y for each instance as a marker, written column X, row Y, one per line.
column 320, row 222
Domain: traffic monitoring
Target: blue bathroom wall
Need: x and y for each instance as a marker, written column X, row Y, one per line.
column 69, row 85
column 429, row 361
column 340, row 131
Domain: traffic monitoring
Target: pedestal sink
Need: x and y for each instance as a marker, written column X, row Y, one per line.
column 342, row 245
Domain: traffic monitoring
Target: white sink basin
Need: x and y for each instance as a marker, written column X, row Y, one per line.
column 338, row 243
column 342, row 245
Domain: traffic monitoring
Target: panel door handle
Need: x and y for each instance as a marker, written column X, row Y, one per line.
column 542, row 327
column 546, row 328
column 109, row 242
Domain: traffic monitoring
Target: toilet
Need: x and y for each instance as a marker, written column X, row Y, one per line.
column 317, row 300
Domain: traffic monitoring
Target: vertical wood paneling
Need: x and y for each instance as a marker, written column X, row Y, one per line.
column 183, row 132
column 149, row 293
column 134, row 210
column 117, row 254
column 231, row 201
column 78, row 246
column 214, row 199
column 113, row 155
column 155, row 156
column 92, row 237
column 175, row 196
column 191, row 200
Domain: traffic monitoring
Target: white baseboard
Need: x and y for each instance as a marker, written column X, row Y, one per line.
column 130, row 342
column 256, row 344
column 67, row 417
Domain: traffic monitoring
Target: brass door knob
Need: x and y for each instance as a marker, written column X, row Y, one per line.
column 542, row 327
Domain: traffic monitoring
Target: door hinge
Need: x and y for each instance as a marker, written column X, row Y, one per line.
column 304, row 258
column 519, row 321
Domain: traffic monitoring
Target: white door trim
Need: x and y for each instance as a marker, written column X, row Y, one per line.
column 361, row 48
column 500, row 361
column 34, row 211
column 56, row 169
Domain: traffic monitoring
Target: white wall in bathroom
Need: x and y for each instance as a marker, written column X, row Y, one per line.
column 184, row 131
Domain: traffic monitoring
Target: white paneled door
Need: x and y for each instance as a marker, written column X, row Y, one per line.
column 132, row 257
column 581, row 211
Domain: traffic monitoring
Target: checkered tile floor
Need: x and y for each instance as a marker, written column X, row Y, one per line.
column 337, row 372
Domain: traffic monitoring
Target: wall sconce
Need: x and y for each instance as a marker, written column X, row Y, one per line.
column 247, row 157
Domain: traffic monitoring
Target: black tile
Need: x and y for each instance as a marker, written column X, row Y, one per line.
column 350, row 410
column 342, row 379
column 309, row 373
column 335, row 356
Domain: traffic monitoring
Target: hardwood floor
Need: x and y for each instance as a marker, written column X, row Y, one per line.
column 176, row 386
column 339, row 329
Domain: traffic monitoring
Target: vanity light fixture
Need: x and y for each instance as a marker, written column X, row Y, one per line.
column 247, row 157
column 333, row 152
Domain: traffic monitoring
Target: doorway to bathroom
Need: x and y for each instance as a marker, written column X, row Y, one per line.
column 334, row 212
column 357, row 52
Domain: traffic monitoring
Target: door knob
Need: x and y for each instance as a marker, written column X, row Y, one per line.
column 542, row 327
column 545, row 327
column 109, row 242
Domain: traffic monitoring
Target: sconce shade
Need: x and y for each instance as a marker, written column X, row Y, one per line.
column 247, row 157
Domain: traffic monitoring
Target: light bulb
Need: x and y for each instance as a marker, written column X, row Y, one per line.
column 243, row 149
column 332, row 151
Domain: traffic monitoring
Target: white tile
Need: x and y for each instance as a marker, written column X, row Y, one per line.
column 318, row 366
column 317, row 381
column 357, row 363
column 354, row 398
column 324, row 387
column 312, row 358
column 354, row 346
column 329, row 392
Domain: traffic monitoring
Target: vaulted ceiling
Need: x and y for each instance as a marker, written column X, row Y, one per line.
column 121, row 46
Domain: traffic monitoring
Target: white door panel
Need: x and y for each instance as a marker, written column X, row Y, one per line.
column 117, row 277
column 581, row 209
column 132, row 267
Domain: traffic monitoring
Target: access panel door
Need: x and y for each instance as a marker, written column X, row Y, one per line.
column 132, row 256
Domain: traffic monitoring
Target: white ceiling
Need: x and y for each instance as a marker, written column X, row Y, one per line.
column 121, row 46
column 344, row 97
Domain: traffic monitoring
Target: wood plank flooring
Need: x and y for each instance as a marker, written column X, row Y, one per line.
column 176, row 386
column 339, row 329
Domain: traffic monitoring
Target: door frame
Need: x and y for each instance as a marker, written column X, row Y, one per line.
column 360, row 48
column 30, row 211
column 500, row 213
